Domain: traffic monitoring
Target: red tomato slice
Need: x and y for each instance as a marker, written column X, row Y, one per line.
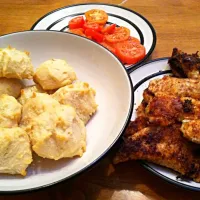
column 109, row 47
column 77, row 31
column 130, row 39
column 76, row 22
column 93, row 26
column 130, row 52
column 97, row 16
column 120, row 34
column 109, row 29
column 133, row 39
column 94, row 34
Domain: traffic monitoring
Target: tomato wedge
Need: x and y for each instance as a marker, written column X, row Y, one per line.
column 97, row 16
column 94, row 34
column 120, row 34
column 130, row 52
column 77, row 31
column 109, row 29
column 76, row 22
column 109, row 47
column 92, row 25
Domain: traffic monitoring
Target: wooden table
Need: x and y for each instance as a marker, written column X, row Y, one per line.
column 177, row 23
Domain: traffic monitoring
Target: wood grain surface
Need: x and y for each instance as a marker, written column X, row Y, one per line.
column 177, row 24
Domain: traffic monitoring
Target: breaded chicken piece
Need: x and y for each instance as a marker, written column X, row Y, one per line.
column 28, row 93
column 191, row 130
column 53, row 74
column 15, row 64
column 79, row 95
column 55, row 130
column 10, row 111
column 15, row 151
column 161, row 145
column 165, row 110
column 10, row 86
column 185, row 65
column 138, row 124
column 176, row 87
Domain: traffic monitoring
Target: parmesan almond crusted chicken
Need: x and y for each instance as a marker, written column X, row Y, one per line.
column 53, row 74
column 185, row 65
column 15, row 64
column 161, row 145
column 15, row 151
column 191, row 130
column 79, row 95
column 10, row 111
column 167, row 118
column 55, row 130
column 10, row 86
column 28, row 93
column 176, row 87
column 165, row 110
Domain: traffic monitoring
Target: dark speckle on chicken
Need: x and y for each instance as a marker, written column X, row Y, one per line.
column 187, row 106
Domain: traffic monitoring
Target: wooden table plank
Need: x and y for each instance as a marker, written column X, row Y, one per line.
column 177, row 25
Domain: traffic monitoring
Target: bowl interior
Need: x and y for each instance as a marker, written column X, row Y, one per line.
column 103, row 71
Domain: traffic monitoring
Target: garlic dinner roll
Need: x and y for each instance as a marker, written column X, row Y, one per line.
column 79, row 95
column 54, row 74
column 10, row 111
column 15, row 151
column 28, row 93
column 15, row 64
column 10, row 86
column 55, row 130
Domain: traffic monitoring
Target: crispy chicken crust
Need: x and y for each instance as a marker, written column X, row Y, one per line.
column 191, row 130
column 185, row 65
column 161, row 145
column 165, row 110
column 175, row 87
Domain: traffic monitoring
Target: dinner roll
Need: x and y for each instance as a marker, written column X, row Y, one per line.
column 15, row 64
column 53, row 74
column 10, row 86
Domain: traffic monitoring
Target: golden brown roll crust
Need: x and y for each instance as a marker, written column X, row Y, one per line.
column 28, row 92
column 53, row 74
column 15, row 151
column 55, row 130
column 79, row 95
column 15, row 64
column 10, row 86
column 10, row 111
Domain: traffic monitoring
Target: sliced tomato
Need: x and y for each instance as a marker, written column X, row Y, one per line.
column 133, row 39
column 89, row 37
column 97, row 16
column 92, row 25
column 130, row 39
column 130, row 52
column 109, row 29
column 94, row 34
column 76, row 22
column 109, row 47
column 77, row 31
column 120, row 34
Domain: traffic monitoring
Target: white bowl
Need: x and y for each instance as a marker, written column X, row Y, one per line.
column 104, row 72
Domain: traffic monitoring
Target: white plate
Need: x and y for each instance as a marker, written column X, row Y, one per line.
column 139, row 26
column 140, row 79
column 104, row 72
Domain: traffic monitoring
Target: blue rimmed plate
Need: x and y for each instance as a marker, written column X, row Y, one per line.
column 140, row 78
column 139, row 26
